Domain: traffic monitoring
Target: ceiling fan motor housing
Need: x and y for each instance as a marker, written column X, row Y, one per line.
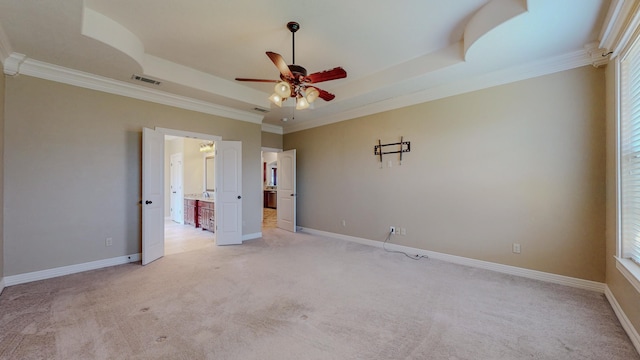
column 299, row 73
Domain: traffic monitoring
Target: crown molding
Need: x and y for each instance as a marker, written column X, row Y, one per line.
column 599, row 56
column 272, row 129
column 5, row 45
column 19, row 64
column 12, row 63
column 622, row 21
column 612, row 24
column 466, row 84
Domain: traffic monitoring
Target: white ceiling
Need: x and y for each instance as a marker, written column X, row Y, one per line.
column 396, row 53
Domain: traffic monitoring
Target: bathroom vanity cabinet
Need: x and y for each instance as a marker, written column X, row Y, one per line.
column 199, row 213
column 206, row 215
column 190, row 211
column 270, row 199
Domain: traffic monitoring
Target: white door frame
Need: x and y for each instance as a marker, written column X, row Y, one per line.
column 180, row 133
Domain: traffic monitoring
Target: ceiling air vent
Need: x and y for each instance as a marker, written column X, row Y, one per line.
column 145, row 79
column 260, row 110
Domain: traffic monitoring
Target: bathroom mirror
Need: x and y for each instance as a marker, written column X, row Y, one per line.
column 272, row 175
column 209, row 175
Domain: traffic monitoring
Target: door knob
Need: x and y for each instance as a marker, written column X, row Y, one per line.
column 239, row 197
column 148, row 202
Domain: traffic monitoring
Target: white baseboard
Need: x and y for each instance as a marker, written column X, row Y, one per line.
column 67, row 270
column 506, row 269
column 257, row 235
column 624, row 320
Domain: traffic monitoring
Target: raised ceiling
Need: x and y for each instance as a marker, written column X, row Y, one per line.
column 396, row 53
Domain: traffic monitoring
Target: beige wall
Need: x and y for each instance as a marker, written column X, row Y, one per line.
column 624, row 292
column 523, row 162
column 171, row 147
column 271, row 140
column 73, row 171
column 193, row 167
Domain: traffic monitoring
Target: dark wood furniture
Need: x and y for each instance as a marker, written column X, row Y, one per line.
column 206, row 218
column 199, row 213
column 190, row 211
column 270, row 199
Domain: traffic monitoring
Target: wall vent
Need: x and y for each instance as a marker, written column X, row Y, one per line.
column 260, row 110
column 145, row 79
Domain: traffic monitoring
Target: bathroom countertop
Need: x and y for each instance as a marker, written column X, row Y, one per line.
column 199, row 198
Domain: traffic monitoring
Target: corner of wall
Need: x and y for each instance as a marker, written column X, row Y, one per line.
column 2, row 96
column 271, row 140
column 622, row 317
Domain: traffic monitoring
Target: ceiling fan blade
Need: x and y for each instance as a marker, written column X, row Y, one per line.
column 282, row 66
column 333, row 74
column 325, row 95
column 257, row 80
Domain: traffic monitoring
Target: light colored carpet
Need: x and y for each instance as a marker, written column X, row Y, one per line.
column 298, row 296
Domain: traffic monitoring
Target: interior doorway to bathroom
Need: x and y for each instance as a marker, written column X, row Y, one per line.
column 269, row 187
column 185, row 176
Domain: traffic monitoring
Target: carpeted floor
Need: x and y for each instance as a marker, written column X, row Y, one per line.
column 298, row 296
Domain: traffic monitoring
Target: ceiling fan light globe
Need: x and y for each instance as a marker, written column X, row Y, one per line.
column 302, row 103
column 276, row 99
column 312, row 94
column 283, row 89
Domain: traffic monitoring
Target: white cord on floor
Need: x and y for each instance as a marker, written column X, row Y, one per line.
column 412, row 257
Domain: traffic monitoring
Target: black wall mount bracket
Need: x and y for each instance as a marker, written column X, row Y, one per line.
column 405, row 146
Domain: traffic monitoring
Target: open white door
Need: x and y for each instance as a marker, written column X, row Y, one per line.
column 228, row 194
column 287, row 190
column 152, row 195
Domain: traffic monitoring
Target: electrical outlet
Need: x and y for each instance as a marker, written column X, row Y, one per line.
column 403, row 231
column 516, row 248
column 392, row 229
column 108, row 241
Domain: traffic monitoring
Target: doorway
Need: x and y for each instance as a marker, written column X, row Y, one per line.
column 225, row 211
column 185, row 177
column 279, row 189
column 269, row 187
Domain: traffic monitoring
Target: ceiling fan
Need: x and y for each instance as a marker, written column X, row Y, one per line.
column 294, row 81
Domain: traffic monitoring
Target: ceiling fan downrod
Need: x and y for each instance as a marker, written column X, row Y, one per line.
column 293, row 27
